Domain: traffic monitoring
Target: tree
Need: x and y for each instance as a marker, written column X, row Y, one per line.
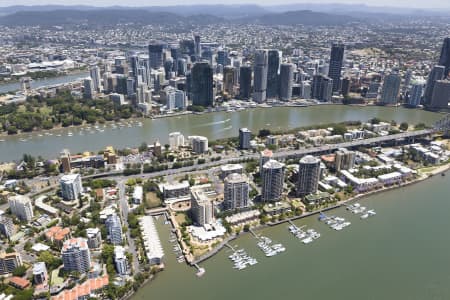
column 50, row 261
column 339, row 129
column 375, row 120
column 143, row 147
column 264, row 133
column 19, row 271
column 404, row 126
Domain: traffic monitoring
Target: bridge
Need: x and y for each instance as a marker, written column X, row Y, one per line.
column 404, row 136
column 443, row 125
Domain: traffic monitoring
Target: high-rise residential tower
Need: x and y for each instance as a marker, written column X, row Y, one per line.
column 336, row 62
column 286, row 80
column 245, row 135
column 202, row 84
column 444, row 59
column 260, row 76
column 155, row 54
column 308, row 175
column 236, row 190
column 390, row 90
column 272, row 181
column 245, row 82
column 437, row 73
column 273, row 69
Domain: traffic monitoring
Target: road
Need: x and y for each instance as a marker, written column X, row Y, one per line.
column 279, row 155
column 124, row 208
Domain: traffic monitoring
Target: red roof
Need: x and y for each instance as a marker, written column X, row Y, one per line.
column 88, row 287
column 19, row 282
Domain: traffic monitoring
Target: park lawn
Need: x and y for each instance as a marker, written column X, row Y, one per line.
column 152, row 200
column 56, row 280
column 180, row 218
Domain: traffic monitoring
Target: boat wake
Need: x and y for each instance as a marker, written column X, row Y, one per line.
column 213, row 123
column 225, row 129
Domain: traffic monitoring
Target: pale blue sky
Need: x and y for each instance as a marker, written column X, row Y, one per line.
column 397, row 3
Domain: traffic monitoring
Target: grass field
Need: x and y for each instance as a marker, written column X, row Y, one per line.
column 152, row 200
column 56, row 280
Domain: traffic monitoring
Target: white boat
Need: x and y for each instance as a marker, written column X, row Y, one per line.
column 364, row 216
column 301, row 235
column 371, row 212
column 315, row 236
column 307, row 240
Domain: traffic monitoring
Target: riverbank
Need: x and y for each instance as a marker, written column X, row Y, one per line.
column 52, row 75
column 436, row 171
column 214, row 126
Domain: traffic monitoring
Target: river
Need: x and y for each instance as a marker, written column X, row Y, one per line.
column 401, row 253
column 212, row 125
column 15, row 86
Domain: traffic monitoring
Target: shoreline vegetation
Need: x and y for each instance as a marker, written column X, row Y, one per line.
column 39, row 75
column 131, row 115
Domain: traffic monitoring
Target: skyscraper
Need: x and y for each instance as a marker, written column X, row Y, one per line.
column 322, row 88
column 228, row 80
column 120, row 260
column 441, row 94
column 202, row 209
column 134, row 64
column 286, row 81
column 235, row 191
column 222, row 58
column 88, row 88
column 245, row 82
column 260, row 76
column 437, row 73
column 181, row 67
column 416, row 92
column 444, row 60
column 273, row 68
column 21, row 207
column 390, row 90
column 308, row 175
column 272, row 181
column 168, row 68
column 336, row 61
column 245, row 136
column 114, row 228
column 155, row 54
column 197, row 46
column 94, row 72
column 76, row 255
column 202, row 84
column 71, row 186
column 6, row 226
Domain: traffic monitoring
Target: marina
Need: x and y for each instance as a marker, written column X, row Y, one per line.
column 370, row 246
column 306, row 236
column 336, row 223
column 269, row 249
column 356, row 208
column 242, row 260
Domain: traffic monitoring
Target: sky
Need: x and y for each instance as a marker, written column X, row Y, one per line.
column 397, row 3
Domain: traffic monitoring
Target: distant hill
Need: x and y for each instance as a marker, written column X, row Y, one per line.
column 114, row 16
column 304, row 17
column 101, row 17
column 228, row 11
